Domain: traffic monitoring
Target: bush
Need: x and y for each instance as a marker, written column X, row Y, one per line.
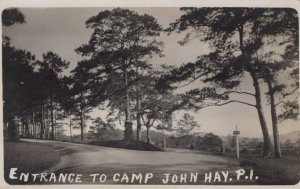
column 244, row 151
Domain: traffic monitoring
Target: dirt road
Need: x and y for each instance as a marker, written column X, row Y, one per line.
column 88, row 159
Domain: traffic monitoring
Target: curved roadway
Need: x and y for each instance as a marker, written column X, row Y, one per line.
column 88, row 159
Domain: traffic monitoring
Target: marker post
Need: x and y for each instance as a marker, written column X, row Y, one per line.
column 236, row 134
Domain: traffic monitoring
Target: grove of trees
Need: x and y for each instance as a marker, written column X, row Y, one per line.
column 116, row 73
column 238, row 39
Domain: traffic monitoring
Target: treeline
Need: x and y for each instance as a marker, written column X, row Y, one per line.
column 33, row 92
column 203, row 142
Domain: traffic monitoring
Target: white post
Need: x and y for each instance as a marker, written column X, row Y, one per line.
column 236, row 134
column 237, row 146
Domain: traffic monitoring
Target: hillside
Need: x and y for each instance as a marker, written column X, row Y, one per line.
column 293, row 136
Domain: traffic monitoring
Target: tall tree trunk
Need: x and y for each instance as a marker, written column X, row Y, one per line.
column 138, row 107
column 148, row 135
column 52, row 118
column 55, row 125
column 42, row 122
column 33, row 124
column 81, row 126
column 138, row 119
column 277, row 150
column 46, row 123
column 267, row 149
column 23, row 127
column 71, row 129
column 81, row 118
column 128, row 133
column 138, row 127
column 26, row 127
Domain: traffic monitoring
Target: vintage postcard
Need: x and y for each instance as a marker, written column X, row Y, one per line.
column 130, row 94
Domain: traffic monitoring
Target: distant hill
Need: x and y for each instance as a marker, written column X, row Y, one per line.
column 293, row 136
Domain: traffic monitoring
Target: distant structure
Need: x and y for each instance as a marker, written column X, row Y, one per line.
column 236, row 134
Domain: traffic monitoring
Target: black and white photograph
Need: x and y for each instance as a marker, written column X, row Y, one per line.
column 190, row 95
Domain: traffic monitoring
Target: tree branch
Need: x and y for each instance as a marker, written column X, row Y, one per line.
column 281, row 102
column 238, row 92
column 194, row 78
column 289, row 93
column 228, row 102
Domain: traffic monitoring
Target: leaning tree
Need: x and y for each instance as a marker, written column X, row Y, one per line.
column 276, row 57
column 234, row 37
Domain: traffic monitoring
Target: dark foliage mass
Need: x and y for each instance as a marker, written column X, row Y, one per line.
column 32, row 88
column 12, row 16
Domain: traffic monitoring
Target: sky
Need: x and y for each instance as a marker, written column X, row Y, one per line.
column 62, row 30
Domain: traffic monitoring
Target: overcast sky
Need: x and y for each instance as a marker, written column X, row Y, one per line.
column 61, row 30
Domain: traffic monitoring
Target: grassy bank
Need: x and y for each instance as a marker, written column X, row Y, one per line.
column 284, row 171
column 28, row 157
column 130, row 145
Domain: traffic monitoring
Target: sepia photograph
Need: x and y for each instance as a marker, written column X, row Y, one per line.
column 150, row 96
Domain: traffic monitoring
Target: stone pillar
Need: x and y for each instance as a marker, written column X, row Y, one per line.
column 128, row 132
column 236, row 134
column 164, row 144
column 13, row 129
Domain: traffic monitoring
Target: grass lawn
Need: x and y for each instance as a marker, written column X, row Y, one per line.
column 28, row 157
column 274, row 171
